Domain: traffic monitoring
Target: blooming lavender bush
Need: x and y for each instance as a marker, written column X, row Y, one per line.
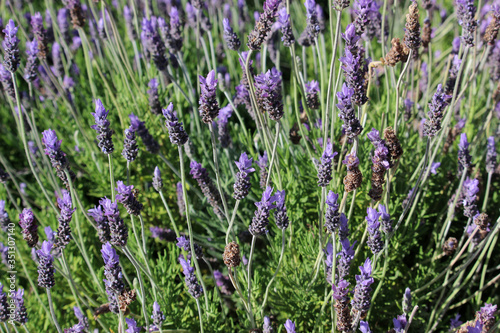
column 340, row 135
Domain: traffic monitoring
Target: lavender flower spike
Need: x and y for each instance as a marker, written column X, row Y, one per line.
column 491, row 155
column 231, row 38
column 194, row 287
column 154, row 99
column 138, row 126
column 222, row 125
column 361, row 299
column 289, row 326
column 258, row 227
column 127, row 197
column 130, row 148
column 311, row 32
column 117, row 228
column 20, row 315
column 4, row 216
column 332, row 215
column 242, row 183
column 45, row 266
column 132, row 326
column 64, row 229
column 325, row 166
column 436, row 108
column 464, row 158
column 207, row 187
column 102, row 223
column 341, row 296
column 364, row 327
column 280, row 214
column 176, row 132
column 286, row 27
column 268, row 91
column 263, row 26
column 11, row 48
column 101, row 126
column 32, row 61
column 466, row 12
column 209, row 107
column 29, row 227
column 374, row 241
column 114, row 278
column 471, row 189
column 344, row 258
column 385, row 219
column 157, row 315
column 157, row 181
column 312, row 94
column 267, row 328
column 4, row 307
column 347, row 114
column 263, row 173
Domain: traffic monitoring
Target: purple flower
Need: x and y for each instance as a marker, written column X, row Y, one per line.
column 470, row 189
column 343, row 228
column 132, row 326
column 114, row 278
column 267, row 328
column 157, row 181
column 64, row 229
column 260, row 220
column 183, row 243
column 101, row 126
column 466, row 12
column 436, row 107
column 311, row 32
column 192, row 284
column 289, row 326
column 364, row 327
column 46, row 266
column 40, row 33
column 242, row 182
column 117, row 228
column 29, row 227
column 162, row 234
column 174, row 42
column 222, row 122
column 153, row 43
column 138, row 126
column 464, row 157
column 83, row 322
column 344, row 258
column 63, row 24
column 399, row 323
column 385, row 219
column 102, row 223
column 127, row 14
column 263, row 25
column 157, row 315
column 127, row 197
column 286, row 27
column 20, row 314
column 7, row 83
column 351, row 125
column 477, row 328
column 312, row 94
column 434, row 167
column 354, row 72
column 153, row 98
column 208, row 188
column 325, row 165
column 4, row 306
column 231, row 38
column 11, row 47
column 57, row 61
column 262, row 163
column 491, row 155
column 176, row 132
column 130, row 148
column 4, row 216
column 455, row 322
column 32, row 61
column 374, row 242
column 209, row 107
column 332, row 215
column 268, row 91
column 361, row 299
column 226, row 287
column 180, row 199
column 280, row 214
column 486, row 314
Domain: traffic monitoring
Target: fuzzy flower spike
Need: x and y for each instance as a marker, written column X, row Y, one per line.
column 242, row 183
column 258, row 227
column 325, row 166
column 11, row 48
column 209, row 107
column 176, row 132
column 263, row 25
column 101, row 126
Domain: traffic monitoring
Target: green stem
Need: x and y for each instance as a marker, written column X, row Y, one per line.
column 170, row 216
column 111, row 177
column 283, row 241
column 230, row 228
column 52, row 312
column 252, row 320
column 199, row 314
column 398, row 85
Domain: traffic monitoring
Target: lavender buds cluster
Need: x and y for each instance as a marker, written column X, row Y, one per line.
column 354, row 178
column 176, row 132
column 380, row 162
column 114, row 277
column 65, row 216
column 260, row 220
column 242, row 183
column 29, row 227
column 263, row 26
column 46, row 266
column 209, row 107
column 200, row 174
column 311, row 32
column 268, row 91
column 101, row 126
column 11, row 47
column 139, row 127
column 324, row 166
column 192, row 283
column 57, row 156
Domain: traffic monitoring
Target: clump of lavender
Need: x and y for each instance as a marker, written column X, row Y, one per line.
column 437, row 105
column 312, row 95
column 286, row 27
column 192, row 284
column 154, row 44
column 4, row 216
column 324, row 166
column 101, row 126
column 127, row 197
column 332, row 214
column 267, row 328
column 354, row 178
column 464, row 158
column 64, row 229
column 344, row 259
column 46, row 266
column 268, row 91
column 470, row 190
column 114, row 277
column 183, row 243
column 491, row 155
column 20, row 314
column 486, row 316
column 138, row 126
column 209, row 107
column 154, row 99
column 102, row 223
column 222, row 128
column 200, row 174
column 280, row 214
column 341, row 296
column 393, row 145
column 32, row 61
column 380, row 162
column 130, row 148
column 260, row 220
column 223, row 282
column 231, row 38
column 412, row 39
column 7, row 83
column 354, row 72
column 374, row 242
column 117, row 228
column 361, row 299
column 176, row 132
column 29, row 227
column 132, row 326
column 351, row 125
column 364, row 327
column 362, row 10
column 263, row 26
column 4, row 307
column 466, row 12
column 11, row 47
column 180, row 199
column 58, row 67
column 40, row 34
column 311, row 32
column 242, row 183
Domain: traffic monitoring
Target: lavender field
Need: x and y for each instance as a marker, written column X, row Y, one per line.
column 249, row 166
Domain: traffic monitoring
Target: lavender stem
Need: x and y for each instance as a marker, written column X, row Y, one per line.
column 51, row 306
column 171, row 217
column 199, row 315
column 398, row 86
column 252, row 247
column 283, row 241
